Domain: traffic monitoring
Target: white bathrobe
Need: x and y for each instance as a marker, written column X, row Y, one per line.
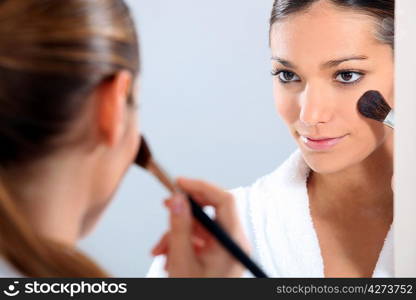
column 276, row 218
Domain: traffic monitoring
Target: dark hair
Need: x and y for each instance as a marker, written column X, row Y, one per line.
column 381, row 10
column 53, row 54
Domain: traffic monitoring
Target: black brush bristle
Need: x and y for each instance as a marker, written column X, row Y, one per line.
column 143, row 155
column 373, row 105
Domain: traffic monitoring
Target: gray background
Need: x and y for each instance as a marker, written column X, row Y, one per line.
column 207, row 110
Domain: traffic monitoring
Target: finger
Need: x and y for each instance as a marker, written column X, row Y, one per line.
column 200, row 236
column 162, row 245
column 207, row 194
column 181, row 254
column 168, row 201
column 166, row 266
column 198, row 242
column 201, row 232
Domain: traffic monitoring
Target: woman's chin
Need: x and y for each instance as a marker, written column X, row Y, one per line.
column 325, row 162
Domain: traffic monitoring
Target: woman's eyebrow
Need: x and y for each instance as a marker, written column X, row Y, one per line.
column 336, row 62
column 329, row 64
column 284, row 62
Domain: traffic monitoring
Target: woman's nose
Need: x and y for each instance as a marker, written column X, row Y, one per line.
column 316, row 107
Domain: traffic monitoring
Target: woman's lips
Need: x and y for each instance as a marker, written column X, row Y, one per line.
column 321, row 143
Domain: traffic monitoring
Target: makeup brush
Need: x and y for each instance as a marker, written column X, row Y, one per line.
column 373, row 105
column 145, row 160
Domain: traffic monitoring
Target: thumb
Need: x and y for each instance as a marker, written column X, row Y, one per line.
column 181, row 252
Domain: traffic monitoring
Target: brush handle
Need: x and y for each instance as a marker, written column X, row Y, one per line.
column 219, row 233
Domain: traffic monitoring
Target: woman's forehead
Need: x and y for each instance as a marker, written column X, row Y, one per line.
column 324, row 34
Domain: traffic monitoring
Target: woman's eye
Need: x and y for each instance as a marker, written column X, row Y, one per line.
column 287, row 76
column 348, row 77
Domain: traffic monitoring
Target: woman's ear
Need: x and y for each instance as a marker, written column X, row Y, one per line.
column 111, row 103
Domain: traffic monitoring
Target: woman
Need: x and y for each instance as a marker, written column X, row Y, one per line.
column 68, row 133
column 327, row 210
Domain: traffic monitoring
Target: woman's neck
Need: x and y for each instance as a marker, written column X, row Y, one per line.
column 53, row 196
column 363, row 189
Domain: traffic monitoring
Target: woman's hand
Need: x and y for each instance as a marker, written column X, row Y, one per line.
column 190, row 250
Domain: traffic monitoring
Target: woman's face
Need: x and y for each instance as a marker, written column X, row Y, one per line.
column 323, row 60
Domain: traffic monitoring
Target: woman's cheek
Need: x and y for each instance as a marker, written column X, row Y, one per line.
column 287, row 108
column 370, row 134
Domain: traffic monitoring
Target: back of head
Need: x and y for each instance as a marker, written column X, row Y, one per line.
column 52, row 56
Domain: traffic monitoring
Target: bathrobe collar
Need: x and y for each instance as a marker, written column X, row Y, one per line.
column 285, row 238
